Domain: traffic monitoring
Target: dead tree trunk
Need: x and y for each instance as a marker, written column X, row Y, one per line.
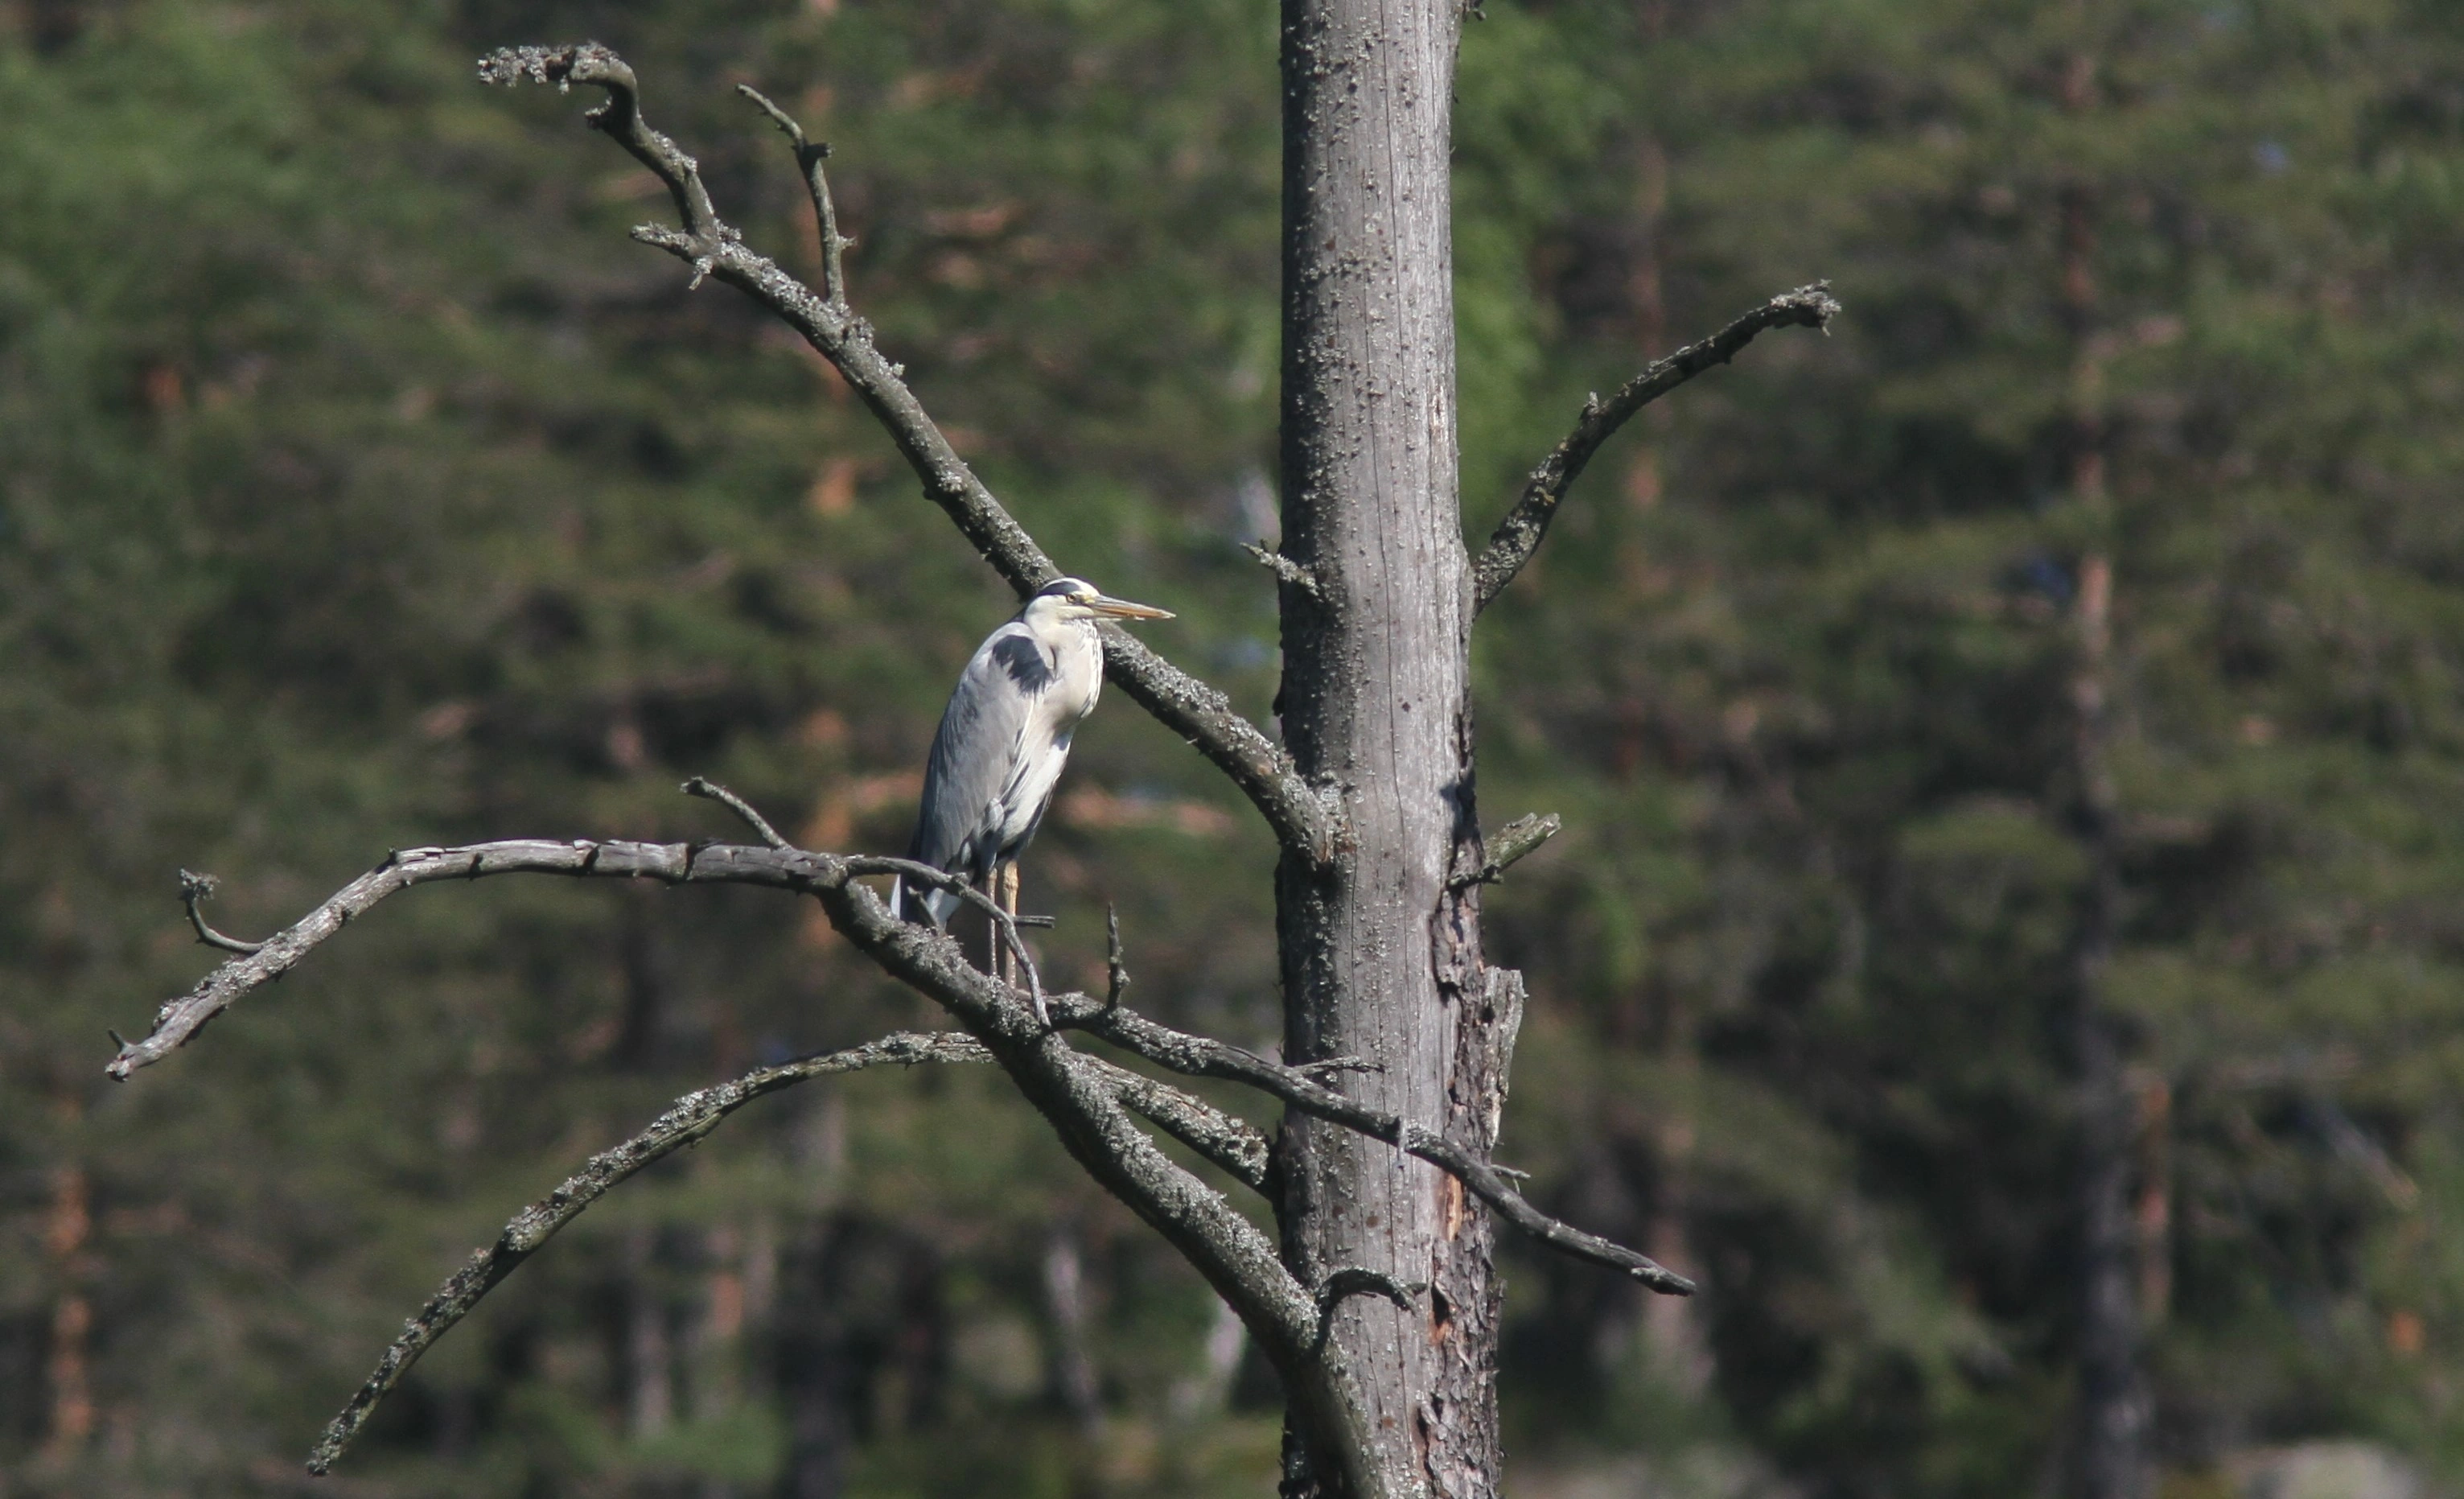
column 1380, row 950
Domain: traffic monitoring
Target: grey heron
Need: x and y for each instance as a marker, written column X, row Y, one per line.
column 1003, row 739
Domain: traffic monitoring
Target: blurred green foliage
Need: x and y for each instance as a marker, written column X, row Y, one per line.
column 361, row 485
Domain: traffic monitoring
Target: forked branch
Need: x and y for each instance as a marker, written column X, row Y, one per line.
column 1303, row 818
column 686, row 1120
column 809, row 155
column 1518, row 536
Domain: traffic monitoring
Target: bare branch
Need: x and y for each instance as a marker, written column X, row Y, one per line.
column 710, row 791
column 1002, row 922
column 1231, row 1143
column 620, row 120
column 672, row 863
column 1202, row 1056
column 1519, row 535
column 194, row 889
column 1082, row 1098
column 1283, row 567
column 1116, row 969
column 809, row 156
column 1304, row 820
column 686, row 1121
column 941, row 879
column 1522, row 836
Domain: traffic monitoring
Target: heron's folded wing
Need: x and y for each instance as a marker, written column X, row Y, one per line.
column 978, row 750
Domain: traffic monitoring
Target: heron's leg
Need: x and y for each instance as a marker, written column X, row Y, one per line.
column 1008, row 877
column 989, row 886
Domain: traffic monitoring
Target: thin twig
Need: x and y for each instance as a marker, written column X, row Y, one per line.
column 1283, row 567
column 196, row 887
column 685, row 1121
column 712, row 791
column 809, row 156
column 1116, row 969
column 1519, row 535
column 1305, row 818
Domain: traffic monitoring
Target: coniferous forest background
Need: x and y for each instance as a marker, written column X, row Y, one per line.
column 362, row 486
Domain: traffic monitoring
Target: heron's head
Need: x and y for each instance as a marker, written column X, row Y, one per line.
column 1076, row 599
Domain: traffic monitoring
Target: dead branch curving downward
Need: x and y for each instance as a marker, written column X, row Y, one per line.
column 1303, row 817
column 672, row 863
column 683, row 1122
column 1519, row 535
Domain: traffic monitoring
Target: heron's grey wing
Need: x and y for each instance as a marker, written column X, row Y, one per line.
column 977, row 751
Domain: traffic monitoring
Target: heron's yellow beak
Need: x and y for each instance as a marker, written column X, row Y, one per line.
column 1123, row 609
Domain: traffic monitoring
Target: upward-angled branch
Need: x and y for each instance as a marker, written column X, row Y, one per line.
column 686, row 1121
column 1519, row 535
column 809, row 155
column 1303, row 819
column 1235, row 1146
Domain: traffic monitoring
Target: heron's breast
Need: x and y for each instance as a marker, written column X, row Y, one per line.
column 1081, row 664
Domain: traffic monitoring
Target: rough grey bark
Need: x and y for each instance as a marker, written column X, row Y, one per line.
column 1380, row 946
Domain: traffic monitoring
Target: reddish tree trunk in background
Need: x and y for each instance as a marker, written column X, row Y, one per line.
column 2114, row 1414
